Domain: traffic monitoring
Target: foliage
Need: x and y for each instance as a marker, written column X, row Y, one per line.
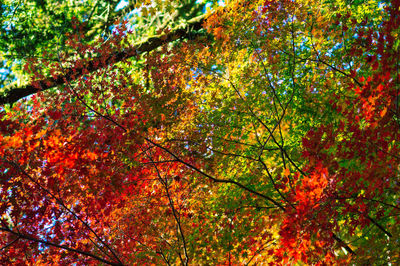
column 261, row 132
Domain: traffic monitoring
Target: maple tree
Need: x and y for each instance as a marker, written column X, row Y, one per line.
column 162, row 133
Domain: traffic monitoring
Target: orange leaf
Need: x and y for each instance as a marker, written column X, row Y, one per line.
column 286, row 172
column 383, row 112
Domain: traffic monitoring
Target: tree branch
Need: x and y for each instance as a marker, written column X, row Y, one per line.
column 174, row 211
column 61, row 203
column 48, row 243
column 16, row 93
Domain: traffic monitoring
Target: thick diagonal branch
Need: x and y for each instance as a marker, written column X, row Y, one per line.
column 149, row 44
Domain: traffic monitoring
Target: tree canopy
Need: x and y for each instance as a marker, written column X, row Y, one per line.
column 200, row 132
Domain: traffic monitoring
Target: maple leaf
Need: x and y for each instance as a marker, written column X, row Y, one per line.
column 235, row 139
